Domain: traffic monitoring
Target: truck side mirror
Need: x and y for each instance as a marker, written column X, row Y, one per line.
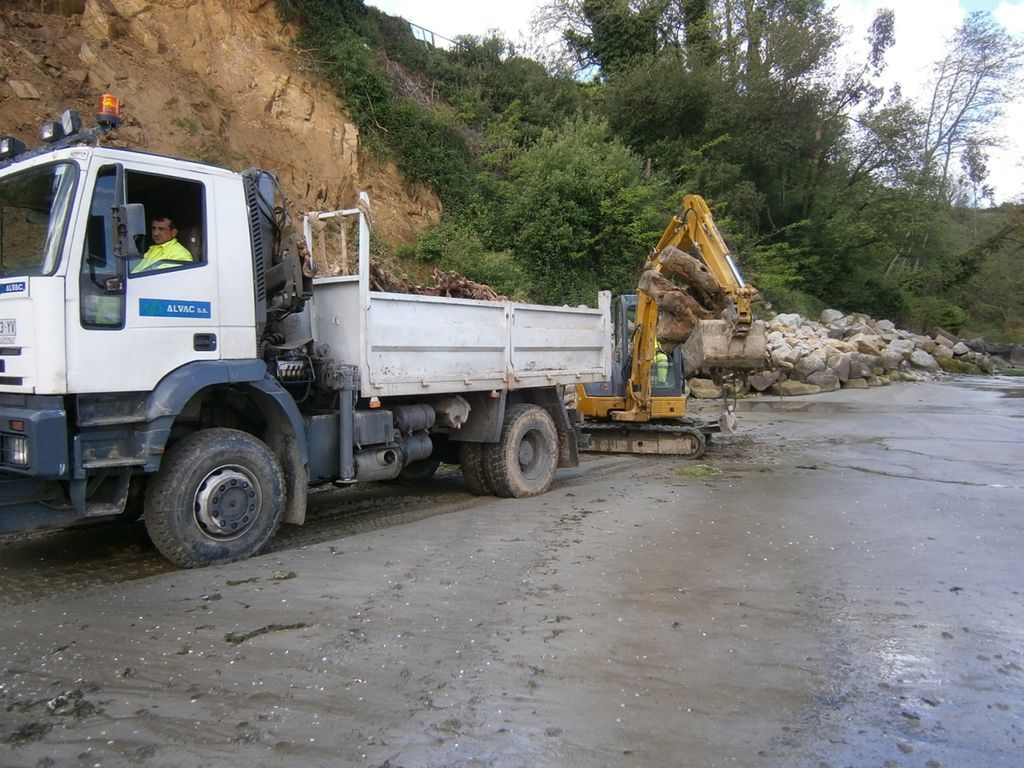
column 129, row 224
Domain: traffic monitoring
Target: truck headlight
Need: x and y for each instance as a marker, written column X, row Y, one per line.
column 14, row 450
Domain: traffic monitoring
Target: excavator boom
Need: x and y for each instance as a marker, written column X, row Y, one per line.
column 709, row 318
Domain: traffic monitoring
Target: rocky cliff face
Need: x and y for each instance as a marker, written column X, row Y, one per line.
column 214, row 80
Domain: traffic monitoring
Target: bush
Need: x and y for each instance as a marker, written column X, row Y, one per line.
column 934, row 311
column 456, row 248
column 580, row 214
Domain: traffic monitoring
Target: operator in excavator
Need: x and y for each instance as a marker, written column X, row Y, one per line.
column 661, row 365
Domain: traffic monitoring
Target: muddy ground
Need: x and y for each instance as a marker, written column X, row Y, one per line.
column 839, row 585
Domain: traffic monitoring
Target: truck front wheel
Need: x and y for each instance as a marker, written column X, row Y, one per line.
column 218, row 497
column 523, row 461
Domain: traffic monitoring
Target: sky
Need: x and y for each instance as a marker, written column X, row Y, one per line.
column 922, row 27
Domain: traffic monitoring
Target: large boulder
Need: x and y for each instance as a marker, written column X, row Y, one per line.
column 761, row 380
column 790, row 320
column 839, row 363
column 869, row 344
column 891, row 360
column 825, row 380
column 857, row 327
column 902, row 347
column 791, row 388
column 921, row 359
column 959, row 365
column 862, row 365
column 808, row 364
column 704, row 389
column 982, row 361
column 840, row 345
column 830, row 316
column 785, row 357
column 976, row 344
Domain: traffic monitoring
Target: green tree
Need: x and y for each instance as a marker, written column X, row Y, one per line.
column 994, row 294
column 608, row 35
column 579, row 213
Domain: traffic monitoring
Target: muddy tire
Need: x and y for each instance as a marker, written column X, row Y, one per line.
column 523, row 461
column 218, row 497
column 471, row 459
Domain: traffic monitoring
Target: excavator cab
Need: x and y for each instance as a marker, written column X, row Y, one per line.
column 666, row 371
column 612, row 422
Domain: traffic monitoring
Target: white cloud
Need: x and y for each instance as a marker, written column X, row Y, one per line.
column 921, row 28
column 1011, row 16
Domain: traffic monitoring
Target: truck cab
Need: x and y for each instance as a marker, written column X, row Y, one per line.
column 81, row 325
column 76, row 313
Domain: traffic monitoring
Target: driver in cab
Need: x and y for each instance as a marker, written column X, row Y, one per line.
column 166, row 251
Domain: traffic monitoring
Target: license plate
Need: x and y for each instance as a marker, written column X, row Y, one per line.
column 8, row 327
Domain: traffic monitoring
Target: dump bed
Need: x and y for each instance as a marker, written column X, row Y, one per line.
column 406, row 344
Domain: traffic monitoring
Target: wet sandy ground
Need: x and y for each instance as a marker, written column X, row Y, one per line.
column 839, row 585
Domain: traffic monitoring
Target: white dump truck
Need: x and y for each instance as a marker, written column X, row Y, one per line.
column 208, row 391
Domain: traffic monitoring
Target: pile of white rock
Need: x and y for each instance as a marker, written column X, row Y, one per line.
column 856, row 351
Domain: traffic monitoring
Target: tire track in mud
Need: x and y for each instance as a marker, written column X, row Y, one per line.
column 40, row 565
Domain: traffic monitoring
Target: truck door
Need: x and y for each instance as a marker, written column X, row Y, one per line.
column 131, row 322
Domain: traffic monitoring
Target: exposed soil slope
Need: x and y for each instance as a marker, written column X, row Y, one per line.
column 214, row 80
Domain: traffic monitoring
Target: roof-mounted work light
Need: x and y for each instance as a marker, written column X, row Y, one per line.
column 10, row 147
column 51, row 131
column 70, row 122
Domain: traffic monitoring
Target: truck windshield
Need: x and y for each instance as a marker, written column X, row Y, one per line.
column 34, row 208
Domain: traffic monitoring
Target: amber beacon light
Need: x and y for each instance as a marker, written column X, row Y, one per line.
column 109, row 112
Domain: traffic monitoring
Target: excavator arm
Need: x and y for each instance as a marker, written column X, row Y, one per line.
column 696, row 230
column 706, row 311
column 715, row 311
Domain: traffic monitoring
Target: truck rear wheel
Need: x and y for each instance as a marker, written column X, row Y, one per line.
column 471, row 459
column 523, row 461
column 218, row 497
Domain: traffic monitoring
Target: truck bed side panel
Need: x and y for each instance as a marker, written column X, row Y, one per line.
column 414, row 345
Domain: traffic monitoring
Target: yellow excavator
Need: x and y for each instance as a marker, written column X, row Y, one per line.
column 665, row 330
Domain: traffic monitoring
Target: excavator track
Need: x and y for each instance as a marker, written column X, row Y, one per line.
column 686, row 438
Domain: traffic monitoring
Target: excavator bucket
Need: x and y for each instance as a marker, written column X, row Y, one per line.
column 714, row 345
